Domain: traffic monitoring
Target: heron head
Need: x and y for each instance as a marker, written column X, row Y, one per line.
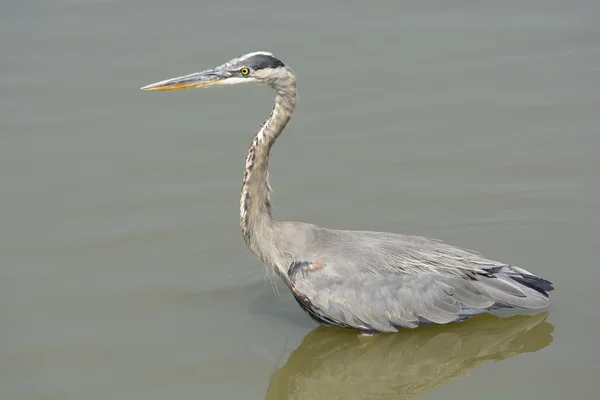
column 258, row 67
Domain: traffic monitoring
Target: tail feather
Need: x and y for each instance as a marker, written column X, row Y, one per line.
column 536, row 283
column 527, row 290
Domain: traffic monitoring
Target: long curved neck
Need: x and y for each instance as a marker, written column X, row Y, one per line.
column 256, row 222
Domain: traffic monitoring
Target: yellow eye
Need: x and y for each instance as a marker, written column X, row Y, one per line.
column 244, row 71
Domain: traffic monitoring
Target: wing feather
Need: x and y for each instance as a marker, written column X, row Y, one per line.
column 383, row 281
column 385, row 303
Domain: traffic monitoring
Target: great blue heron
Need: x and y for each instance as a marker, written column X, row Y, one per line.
column 369, row 281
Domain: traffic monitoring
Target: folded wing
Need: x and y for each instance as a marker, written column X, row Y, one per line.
column 387, row 301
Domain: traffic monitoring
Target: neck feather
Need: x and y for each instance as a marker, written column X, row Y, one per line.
column 256, row 222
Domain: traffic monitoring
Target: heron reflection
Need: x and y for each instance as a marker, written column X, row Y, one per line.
column 332, row 363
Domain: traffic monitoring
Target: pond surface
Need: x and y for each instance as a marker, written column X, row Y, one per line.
column 123, row 274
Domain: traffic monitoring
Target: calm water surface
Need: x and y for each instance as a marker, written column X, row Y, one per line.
column 122, row 270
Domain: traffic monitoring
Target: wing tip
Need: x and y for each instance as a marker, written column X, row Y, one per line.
column 540, row 285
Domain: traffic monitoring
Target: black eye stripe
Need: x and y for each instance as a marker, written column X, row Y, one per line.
column 261, row 61
column 255, row 63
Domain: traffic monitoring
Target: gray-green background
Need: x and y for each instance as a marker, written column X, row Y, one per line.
column 122, row 271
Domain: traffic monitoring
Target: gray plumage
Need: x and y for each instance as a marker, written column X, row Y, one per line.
column 368, row 281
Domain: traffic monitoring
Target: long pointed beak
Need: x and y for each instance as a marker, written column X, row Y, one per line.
column 210, row 77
